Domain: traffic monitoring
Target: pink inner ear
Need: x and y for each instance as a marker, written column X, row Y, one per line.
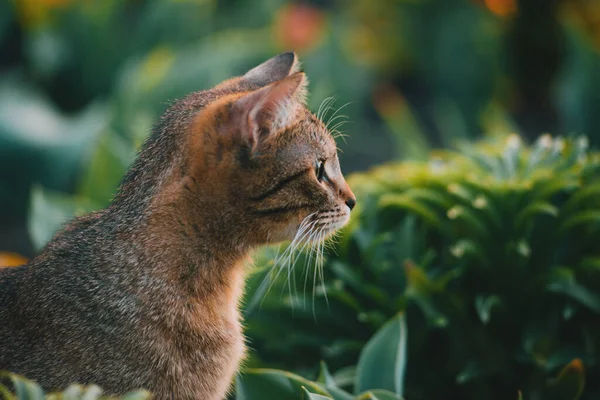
column 269, row 108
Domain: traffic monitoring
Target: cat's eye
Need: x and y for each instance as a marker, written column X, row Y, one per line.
column 320, row 170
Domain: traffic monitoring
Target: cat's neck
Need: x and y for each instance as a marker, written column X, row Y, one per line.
column 183, row 243
column 173, row 220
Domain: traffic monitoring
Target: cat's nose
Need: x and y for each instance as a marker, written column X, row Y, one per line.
column 351, row 203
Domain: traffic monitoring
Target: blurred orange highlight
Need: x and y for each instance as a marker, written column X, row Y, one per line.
column 502, row 7
column 11, row 260
column 299, row 27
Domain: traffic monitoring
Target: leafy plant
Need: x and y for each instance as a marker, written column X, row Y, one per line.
column 379, row 374
column 25, row 389
column 491, row 253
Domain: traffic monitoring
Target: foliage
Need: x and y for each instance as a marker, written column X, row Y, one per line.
column 25, row 389
column 491, row 253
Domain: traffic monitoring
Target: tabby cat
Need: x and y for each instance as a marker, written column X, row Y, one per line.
column 145, row 293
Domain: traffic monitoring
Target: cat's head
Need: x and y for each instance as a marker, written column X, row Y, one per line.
column 265, row 160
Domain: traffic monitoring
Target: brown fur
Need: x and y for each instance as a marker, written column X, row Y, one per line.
column 145, row 293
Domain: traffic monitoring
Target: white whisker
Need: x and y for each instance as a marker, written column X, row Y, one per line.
column 325, row 106
column 332, row 117
column 304, row 225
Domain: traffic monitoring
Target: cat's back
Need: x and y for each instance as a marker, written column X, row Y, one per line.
column 60, row 312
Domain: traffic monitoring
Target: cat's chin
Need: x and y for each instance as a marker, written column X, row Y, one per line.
column 318, row 225
column 331, row 227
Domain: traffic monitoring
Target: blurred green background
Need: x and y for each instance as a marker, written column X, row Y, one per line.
column 77, row 75
column 82, row 82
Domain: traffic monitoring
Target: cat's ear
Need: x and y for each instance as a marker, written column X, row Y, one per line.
column 273, row 69
column 264, row 111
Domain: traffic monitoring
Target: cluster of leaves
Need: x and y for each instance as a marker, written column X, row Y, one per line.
column 492, row 255
column 25, row 389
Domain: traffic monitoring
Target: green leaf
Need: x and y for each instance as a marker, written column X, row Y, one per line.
column 92, row 392
column 313, row 396
column 328, row 382
column 569, row 384
column 477, row 228
column 583, row 218
column 591, row 263
column 137, row 395
column 73, row 392
column 379, row 394
column 50, row 211
column 410, row 205
column 546, row 190
column 382, row 362
column 260, row 384
column 345, row 376
column 587, row 192
column 469, row 373
column 563, row 281
column 467, row 247
column 24, row 388
column 484, row 305
column 110, row 160
column 433, row 196
column 537, row 208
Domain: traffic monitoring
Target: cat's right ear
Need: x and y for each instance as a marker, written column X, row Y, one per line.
column 259, row 114
column 273, row 70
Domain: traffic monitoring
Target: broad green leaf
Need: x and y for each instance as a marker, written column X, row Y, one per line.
column 313, row 396
column 262, row 384
column 382, row 362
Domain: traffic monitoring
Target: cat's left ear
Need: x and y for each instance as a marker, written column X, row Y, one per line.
column 267, row 110
column 274, row 69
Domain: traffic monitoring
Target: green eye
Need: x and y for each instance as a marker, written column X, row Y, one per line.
column 320, row 170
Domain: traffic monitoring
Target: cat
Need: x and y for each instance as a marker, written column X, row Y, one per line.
column 145, row 293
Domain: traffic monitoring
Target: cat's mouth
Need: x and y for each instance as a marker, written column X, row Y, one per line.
column 332, row 220
column 320, row 225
